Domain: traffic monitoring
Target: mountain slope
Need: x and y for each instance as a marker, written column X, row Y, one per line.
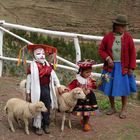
column 81, row 16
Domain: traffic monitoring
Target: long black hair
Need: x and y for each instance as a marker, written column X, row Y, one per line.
column 113, row 27
column 83, row 69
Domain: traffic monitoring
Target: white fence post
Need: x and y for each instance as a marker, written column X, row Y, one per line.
column 54, row 33
column 77, row 48
column 1, row 51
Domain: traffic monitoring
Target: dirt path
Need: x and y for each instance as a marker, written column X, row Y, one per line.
column 103, row 127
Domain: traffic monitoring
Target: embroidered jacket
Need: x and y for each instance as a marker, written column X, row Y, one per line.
column 44, row 73
column 86, row 83
column 128, row 52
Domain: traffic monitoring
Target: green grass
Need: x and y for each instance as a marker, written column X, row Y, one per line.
column 103, row 101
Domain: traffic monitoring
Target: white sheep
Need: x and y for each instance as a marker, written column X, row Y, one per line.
column 22, row 86
column 67, row 102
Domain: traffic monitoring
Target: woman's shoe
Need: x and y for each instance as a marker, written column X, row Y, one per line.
column 86, row 127
column 111, row 112
column 122, row 115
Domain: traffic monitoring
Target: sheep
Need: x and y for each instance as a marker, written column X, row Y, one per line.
column 18, row 109
column 22, row 86
column 67, row 102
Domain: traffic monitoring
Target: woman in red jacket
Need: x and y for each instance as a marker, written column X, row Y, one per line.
column 118, row 52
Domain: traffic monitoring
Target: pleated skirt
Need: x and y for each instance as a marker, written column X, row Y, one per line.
column 118, row 85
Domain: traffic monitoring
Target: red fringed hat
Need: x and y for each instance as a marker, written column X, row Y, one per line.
column 86, row 64
column 48, row 49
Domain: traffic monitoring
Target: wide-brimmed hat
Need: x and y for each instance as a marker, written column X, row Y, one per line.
column 48, row 49
column 121, row 19
column 31, row 47
column 86, row 64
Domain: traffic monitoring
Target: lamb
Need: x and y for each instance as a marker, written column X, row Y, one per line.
column 18, row 109
column 67, row 102
column 22, row 86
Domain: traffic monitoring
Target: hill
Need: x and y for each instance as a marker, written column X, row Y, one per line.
column 80, row 16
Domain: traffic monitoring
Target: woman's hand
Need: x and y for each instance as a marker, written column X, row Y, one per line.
column 130, row 71
column 110, row 62
column 28, row 97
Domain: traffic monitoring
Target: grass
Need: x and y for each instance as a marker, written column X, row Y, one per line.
column 103, row 101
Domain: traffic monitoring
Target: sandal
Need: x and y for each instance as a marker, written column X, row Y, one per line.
column 122, row 115
column 111, row 112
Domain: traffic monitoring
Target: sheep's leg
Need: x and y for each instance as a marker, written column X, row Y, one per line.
column 10, row 118
column 63, row 122
column 19, row 123
column 54, row 115
column 26, row 125
column 69, row 119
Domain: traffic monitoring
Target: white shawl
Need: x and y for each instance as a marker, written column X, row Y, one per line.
column 35, row 90
column 81, row 79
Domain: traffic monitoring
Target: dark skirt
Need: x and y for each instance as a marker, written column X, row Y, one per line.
column 86, row 107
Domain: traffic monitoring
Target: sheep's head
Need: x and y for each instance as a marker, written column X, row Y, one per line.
column 40, row 107
column 78, row 93
column 63, row 87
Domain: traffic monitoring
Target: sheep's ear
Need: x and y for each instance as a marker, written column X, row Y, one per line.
column 77, row 92
column 39, row 105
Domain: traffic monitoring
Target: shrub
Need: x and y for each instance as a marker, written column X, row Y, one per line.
column 65, row 49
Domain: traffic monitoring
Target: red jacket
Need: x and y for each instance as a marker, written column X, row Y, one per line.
column 128, row 52
column 44, row 73
column 91, row 84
